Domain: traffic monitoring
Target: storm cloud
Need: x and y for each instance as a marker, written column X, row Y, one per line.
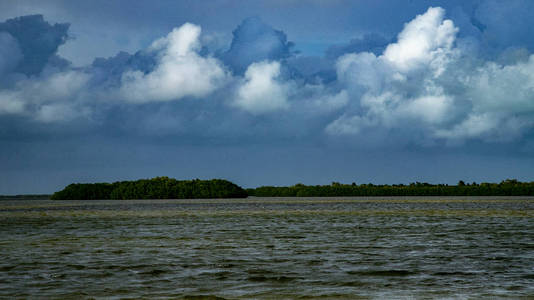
column 255, row 41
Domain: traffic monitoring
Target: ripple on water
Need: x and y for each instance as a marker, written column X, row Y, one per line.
column 382, row 273
column 269, row 248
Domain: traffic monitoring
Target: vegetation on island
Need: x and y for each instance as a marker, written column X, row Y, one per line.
column 168, row 188
column 155, row 188
column 509, row 187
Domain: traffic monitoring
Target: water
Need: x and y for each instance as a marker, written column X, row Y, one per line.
column 269, row 248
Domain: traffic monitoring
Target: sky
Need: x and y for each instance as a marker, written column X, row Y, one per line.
column 273, row 92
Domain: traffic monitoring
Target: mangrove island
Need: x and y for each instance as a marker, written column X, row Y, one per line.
column 169, row 188
column 155, row 188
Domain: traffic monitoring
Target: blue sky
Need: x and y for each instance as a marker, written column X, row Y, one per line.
column 265, row 92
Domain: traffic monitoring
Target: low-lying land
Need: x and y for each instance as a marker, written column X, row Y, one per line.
column 155, row 188
column 509, row 187
column 169, row 188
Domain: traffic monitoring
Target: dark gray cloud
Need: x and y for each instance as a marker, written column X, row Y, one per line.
column 323, row 69
column 371, row 42
column 10, row 56
column 254, row 41
column 38, row 41
column 107, row 72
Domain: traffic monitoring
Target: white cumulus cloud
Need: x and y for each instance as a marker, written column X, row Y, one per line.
column 400, row 87
column 425, row 41
column 501, row 99
column 262, row 90
column 424, row 85
column 180, row 70
column 35, row 96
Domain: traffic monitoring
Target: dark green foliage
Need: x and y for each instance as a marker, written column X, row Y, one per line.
column 509, row 187
column 168, row 188
column 155, row 188
column 84, row 191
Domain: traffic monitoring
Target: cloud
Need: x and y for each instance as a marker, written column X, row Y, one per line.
column 425, row 41
column 326, row 102
column 10, row 54
column 432, row 108
column 503, row 88
column 370, row 42
column 489, row 126
column 255, row 41
column 502, row 102
column 180, row 71
column 400, row 89
column 262, row 91
column 9, row 104
column 107, row 72
column 35, row 82
column 170, row 69
column 348, row 125
column 54, row 112
column 37, row 39
column 424, row 87
column 362, row 70
column 41, row 97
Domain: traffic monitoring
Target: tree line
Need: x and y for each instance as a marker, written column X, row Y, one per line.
column 168, row 188
column 155, row 188
column 509, row 187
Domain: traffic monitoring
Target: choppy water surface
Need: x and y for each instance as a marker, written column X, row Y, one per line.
column 268, row 248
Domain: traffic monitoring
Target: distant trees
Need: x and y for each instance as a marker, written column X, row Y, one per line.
column 168, row 188
column 155, row 188
column 509, row 187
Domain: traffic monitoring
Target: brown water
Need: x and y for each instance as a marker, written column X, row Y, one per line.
column 265, row 248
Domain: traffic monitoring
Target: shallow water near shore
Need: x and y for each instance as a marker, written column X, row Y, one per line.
column 265, row 248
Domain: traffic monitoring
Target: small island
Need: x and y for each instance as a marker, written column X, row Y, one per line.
column 155, row 188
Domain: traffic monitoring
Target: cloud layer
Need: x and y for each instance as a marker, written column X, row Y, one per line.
column 429, row 85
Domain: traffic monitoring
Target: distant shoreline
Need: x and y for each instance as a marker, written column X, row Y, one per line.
column 509, row 187
column 155, row 188
column 26, row 197
column 168, row 188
